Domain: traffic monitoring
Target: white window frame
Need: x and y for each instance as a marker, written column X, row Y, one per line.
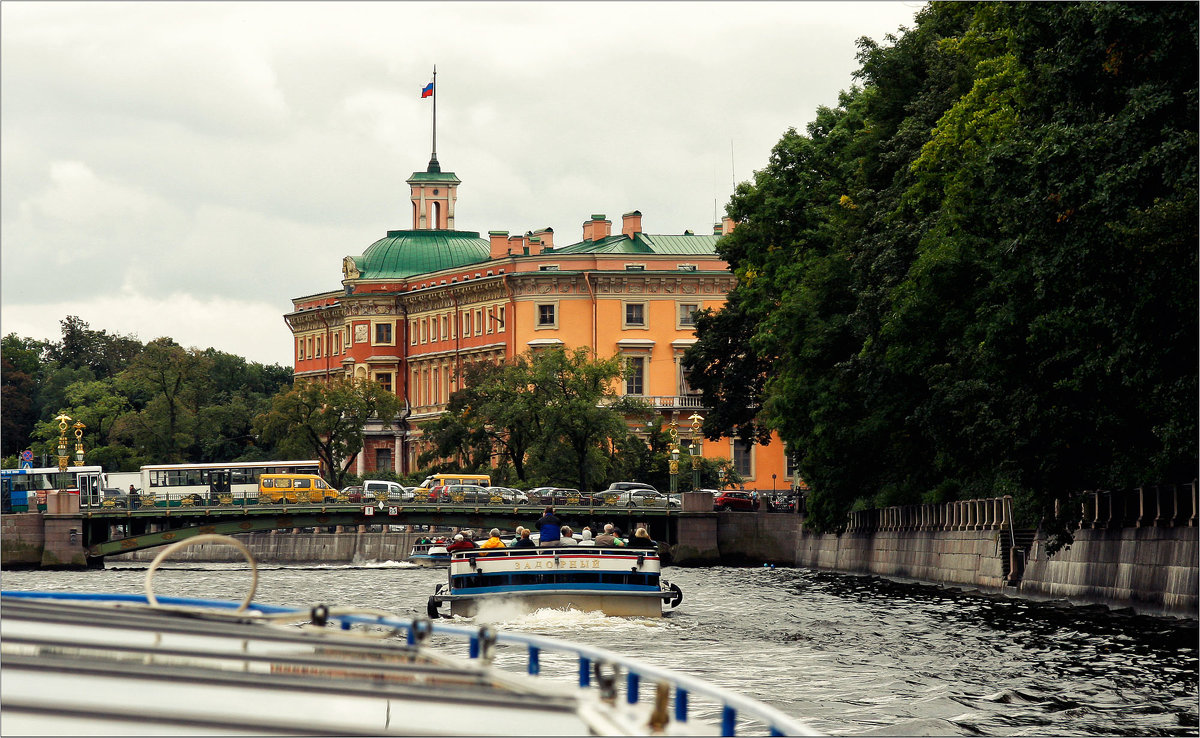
column 538, row 325
column 626, row 325
column 679, row 324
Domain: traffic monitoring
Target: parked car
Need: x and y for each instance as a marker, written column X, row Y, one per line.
column 735, row 500
column 626, row 486
column 353, row 493
column 471, row 493
column 390, row 491
column 510, row 496
column 641, row 498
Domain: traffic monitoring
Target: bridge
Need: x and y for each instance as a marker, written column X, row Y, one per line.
column 147, row 522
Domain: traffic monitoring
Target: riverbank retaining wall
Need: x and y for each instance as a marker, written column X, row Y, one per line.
column 1138, row 548
column 300, row 547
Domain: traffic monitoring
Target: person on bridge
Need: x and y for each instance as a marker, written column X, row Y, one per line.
column 494, row 541
column 550, row 527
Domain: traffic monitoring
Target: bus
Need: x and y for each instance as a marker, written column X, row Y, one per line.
column 202, row 483
column 24, row 490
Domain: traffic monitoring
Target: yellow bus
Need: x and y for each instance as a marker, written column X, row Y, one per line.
column 440, row 480
column 294, row 488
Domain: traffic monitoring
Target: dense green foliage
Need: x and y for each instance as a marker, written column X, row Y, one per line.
column 549, row 417
column 325, row 421
column 142, row 404
column 977, row 275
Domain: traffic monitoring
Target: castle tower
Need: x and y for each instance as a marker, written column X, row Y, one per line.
column 434, row 193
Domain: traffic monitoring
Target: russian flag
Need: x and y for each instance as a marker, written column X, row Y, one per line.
column 427, row 90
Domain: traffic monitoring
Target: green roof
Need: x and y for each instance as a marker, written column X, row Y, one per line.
column 644, row 243
column 406, row 253
column 434, row 177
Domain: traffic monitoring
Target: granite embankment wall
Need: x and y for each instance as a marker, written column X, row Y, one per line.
column 1139, row 548
column 284, row 546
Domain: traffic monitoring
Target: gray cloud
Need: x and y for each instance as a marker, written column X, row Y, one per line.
column 181, row 153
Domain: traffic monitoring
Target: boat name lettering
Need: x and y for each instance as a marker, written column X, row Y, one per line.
column 551, row 565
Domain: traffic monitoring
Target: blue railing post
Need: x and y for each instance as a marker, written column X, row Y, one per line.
column 474, row 649
column 728, row 721
column 535, row 667
column 631, row 688
column 585, row 671
column 681, row 704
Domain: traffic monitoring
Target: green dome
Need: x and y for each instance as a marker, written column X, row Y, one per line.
column 406, row 253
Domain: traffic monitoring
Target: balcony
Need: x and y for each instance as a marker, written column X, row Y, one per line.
column 669, row 402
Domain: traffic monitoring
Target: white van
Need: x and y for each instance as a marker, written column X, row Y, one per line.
column 380, row 490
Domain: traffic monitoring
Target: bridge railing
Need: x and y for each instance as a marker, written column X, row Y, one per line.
column 159, row 500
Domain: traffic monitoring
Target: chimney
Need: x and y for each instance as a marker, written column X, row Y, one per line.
column 631, row 223
column 547, row 237
column 499, row 244
column 597, row 228
column 727, row 225
column 717, row 229
column 518, row 246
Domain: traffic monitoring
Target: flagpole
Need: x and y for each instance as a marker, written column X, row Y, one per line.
column 435, row 112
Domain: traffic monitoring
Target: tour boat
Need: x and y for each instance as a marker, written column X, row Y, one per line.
column 124, row 664
column 616, row 581
column 429, row 554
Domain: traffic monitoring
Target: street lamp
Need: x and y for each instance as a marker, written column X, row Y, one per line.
column 79, row 443
column 721, row 476
column 62, row 441
column 695, row 451
column 674, row 469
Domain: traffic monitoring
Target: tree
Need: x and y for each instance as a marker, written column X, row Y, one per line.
column 325, row 421
column 173, row 384
column 553, row 414
column 977, row 274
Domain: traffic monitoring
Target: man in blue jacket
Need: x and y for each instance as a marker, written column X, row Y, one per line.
column 549, row 526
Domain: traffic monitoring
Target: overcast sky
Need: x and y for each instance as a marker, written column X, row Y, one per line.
column 185, row 169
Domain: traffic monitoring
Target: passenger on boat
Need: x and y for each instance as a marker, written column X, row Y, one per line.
column 567, row 537
column 606, row 538
column 641, row 539
column 549, row 526
column 517, row 537
column 460, row 543
column 524, row 541
column 587, row 537
column 494, row 541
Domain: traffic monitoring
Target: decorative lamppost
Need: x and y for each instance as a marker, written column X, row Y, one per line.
column 79, row 443
column 62, row 441
column 721, row 476
column 697, row 448
column 694, row 450
column 674, row 469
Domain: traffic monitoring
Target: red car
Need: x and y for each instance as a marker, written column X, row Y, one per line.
column 735, row 500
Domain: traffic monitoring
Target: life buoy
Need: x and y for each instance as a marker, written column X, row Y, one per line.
column 432, row 609
column 678, row 595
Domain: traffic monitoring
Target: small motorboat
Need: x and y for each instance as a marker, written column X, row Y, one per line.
column 432, row 554
column 123, row 664
column 616, row 581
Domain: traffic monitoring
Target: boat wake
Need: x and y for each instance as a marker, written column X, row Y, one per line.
column 512, row 616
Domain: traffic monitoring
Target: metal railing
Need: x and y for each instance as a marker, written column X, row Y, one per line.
column 596, row 668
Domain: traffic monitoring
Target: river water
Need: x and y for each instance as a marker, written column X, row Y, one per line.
column 849, row 655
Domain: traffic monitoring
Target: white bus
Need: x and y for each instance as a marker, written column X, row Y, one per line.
column 206, row 483
column 24, row 490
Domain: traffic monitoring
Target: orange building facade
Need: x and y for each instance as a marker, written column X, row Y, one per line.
column 419, row 305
